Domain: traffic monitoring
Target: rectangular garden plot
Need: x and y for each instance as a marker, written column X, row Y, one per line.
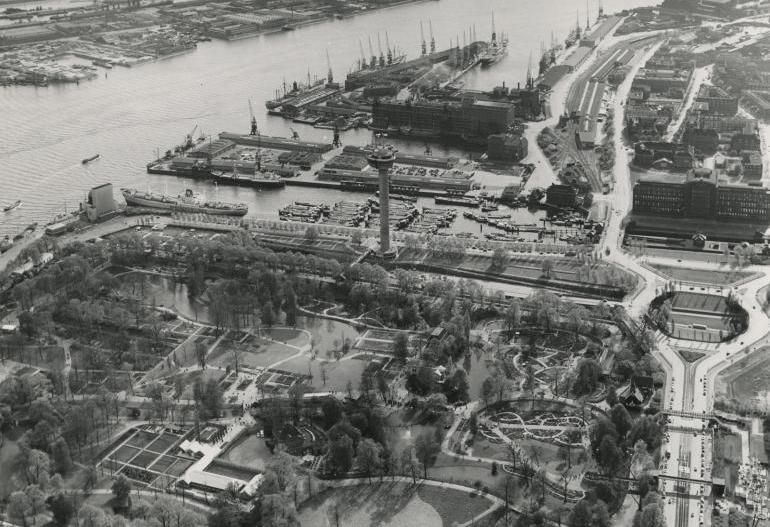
column 141, row 439
column 124, row 453
column 144, row 459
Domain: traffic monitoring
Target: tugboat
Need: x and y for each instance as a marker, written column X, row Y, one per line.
column 12, row 206
column 89, row 159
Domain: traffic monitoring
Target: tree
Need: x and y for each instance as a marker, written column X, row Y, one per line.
column 312, row 234
column 547, row 267
column 426, row 447
column 401, row 347
column 356, row 237
column 487, row 390
column 290, row 307
column 19, row 507
column 268, row 315
column 581, row 516
column 340, row 455
column 473, row 424
column 456, row 387
column 38, row 467
column 586, row 377
column 369, row 455
column 610, row 456
column 62, row 509
column 651, row 514
column 512, row 317
column 648, row 430
column 621, row 419
column 499, row 258
column 61, row 456
column 121, row 489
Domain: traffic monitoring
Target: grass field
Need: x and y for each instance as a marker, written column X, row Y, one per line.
column 727, row 457
column 748, row 378
column 249, row 451
column 338, row 373
column 699, row 302
column 703, row 276
column 391, row 505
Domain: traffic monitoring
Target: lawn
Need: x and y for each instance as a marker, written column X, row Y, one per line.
column 288, row 336
column 727, row 457
column 748, row 378
column 249, row 450
column 719, row 278
column 262, row 357
column 390, row 504
column 338, row 373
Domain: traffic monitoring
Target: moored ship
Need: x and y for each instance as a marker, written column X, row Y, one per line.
column 187, row 203
column 259, row 179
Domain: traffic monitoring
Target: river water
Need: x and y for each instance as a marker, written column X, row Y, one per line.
column 127, row 115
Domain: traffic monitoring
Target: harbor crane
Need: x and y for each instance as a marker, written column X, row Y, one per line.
column 294, row 134
column 389, row 51
column 432, row 40
column 363, row 57
column 188, row 141
column 373, row 60
column 329, row 74
column 254, row 129
column 424, row 45
column 379, row 48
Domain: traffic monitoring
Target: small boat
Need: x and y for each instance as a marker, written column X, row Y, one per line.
column 12, row 206
column 89, row 159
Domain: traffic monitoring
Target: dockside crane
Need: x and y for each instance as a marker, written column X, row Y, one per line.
column 373, row 59
column 494, row 33
column 254, row 129
column 363, row 57
column 424, row 45
column 379, row 48
column 294, row 134
column 188, row 140
column 432, row 40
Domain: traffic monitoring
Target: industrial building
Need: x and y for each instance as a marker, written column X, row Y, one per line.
column 561, row 195
column 675, row 155
column 506, row 147
column 700, row 194
column 347, row 170
column 469, row 119
column 100, row 203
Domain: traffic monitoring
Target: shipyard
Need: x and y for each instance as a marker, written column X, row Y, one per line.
column 399, row 263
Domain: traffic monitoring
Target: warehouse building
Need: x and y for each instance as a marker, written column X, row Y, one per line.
column 700, row 194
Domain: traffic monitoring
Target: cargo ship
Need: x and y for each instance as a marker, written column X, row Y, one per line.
column 463, row 201
column 496, row 51
column 259, row 179
column 12, row 206
column 187, row 203
column 297, row 90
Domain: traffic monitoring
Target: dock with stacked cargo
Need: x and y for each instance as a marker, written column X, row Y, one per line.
column 404, row 214
column 410, row 174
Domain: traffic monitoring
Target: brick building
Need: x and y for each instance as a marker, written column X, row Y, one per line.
column 700, row 194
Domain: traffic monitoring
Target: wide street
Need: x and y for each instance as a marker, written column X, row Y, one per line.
column 689, row 387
